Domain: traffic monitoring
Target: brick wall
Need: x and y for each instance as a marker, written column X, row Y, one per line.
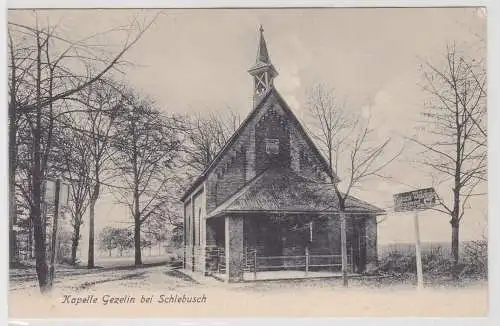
column 304, row 159
column 231, row 178
column 272, row 125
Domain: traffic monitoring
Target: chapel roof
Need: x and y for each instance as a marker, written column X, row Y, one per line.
column 285, row 191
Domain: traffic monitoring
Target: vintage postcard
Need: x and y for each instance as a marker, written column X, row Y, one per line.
column 257, row 162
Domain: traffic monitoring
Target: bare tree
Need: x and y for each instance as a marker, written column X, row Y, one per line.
column 19, row 64
column 103, row 101
column 206, row 136
column 352, row 152
column 76, row 166
column 455, row 129
column 145, row 152
column 22, row 182
column 49, row 78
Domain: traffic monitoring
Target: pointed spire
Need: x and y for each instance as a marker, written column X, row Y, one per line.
column 263, row 71
column 262, row 54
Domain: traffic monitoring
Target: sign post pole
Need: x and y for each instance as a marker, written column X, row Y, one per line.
column 416, row 200
column 420, row 278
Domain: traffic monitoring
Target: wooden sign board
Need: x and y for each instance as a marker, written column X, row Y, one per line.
column 415, row 200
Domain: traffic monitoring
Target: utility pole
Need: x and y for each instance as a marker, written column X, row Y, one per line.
column 54, row 231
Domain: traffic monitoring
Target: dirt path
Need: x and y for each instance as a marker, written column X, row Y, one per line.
column 141, row 292
column 80, row 278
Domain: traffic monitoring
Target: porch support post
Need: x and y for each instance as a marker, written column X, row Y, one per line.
column 343, row 244
column 234, row 248
column 211, row 252
column 211, row 241
column 371, row 243
column 307, row 260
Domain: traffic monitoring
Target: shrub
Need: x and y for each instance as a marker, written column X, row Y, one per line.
column 438, row 262
column 396, row 262
column 475, row 258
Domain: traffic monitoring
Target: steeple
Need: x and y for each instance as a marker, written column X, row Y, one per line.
column 262, row 54
column 263, row 71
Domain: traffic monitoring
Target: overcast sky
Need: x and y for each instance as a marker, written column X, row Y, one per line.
column 196, row 60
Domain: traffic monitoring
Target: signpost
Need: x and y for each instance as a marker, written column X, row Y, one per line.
column 416, row 201
column 61, row 200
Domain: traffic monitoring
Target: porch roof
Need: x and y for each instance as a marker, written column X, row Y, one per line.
column 284, row 191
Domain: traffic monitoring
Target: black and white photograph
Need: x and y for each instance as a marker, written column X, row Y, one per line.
column 247, row 162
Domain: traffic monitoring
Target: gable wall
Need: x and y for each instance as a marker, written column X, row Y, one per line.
column 273, row 124
column 247, row 157
column 304, row 160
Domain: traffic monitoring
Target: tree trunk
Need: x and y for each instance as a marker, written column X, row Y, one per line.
column 137, row 219
column 455, row 226
column 42, row 270
column 74, row 242
column 53, row 246
column 93, row 200
column 455, row 220
column 90, row 260
column 137, row 243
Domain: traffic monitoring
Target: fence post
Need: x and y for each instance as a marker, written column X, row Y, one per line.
column 354, row 265
column 255, row 264
column 217, row 260
column 307, row 260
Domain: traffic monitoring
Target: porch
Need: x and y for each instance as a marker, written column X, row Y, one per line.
column 259, row 268
column 291, row 246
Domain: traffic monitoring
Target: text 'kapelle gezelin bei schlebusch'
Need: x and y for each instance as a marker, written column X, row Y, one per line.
column 107, row 299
